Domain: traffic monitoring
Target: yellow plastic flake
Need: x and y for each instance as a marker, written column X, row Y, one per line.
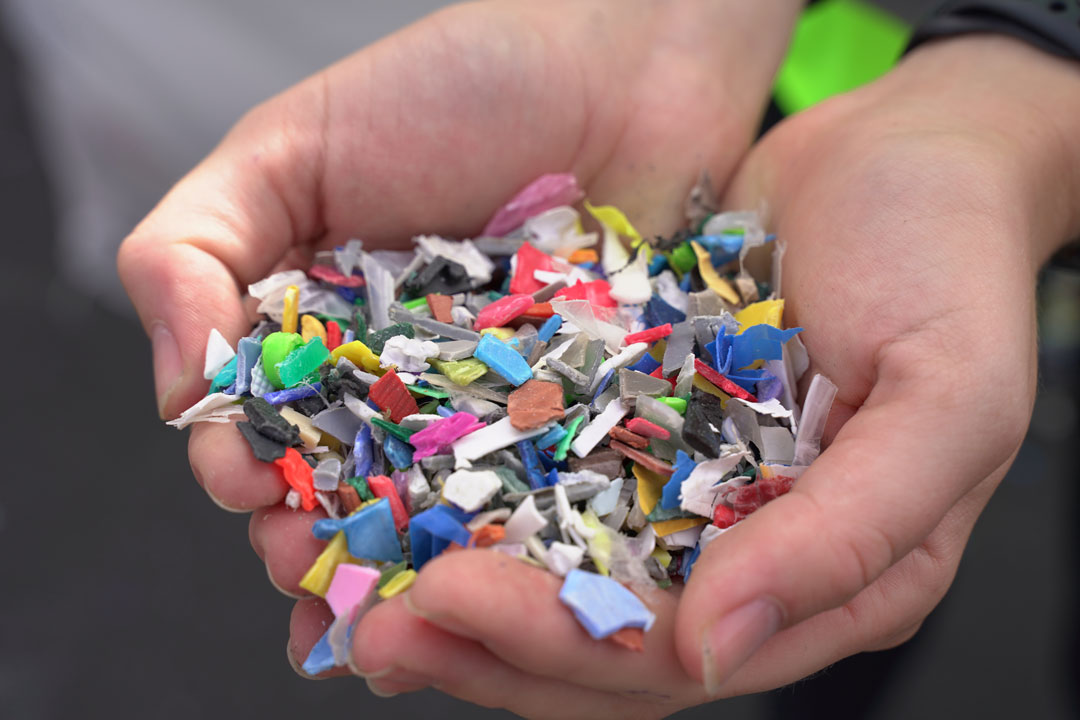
column 600, row 543
column 658, row 349
column 666, row 527
column 614, row 218
column 650, row 485
column 705, row 386
column 310, row 327
column 317, row 579
column 289, row 312
column 359, row 355
column 309, row 434
column 461, row 372
column 398, row 584
column 503, row 333
column 717, row 284
column 662, row 556
column 767, row 312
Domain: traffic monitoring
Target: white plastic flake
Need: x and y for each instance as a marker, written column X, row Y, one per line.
column 218, row 354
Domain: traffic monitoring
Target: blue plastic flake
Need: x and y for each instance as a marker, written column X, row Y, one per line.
column 347, row 293
column 362, row 455
column 432, row 531
column 551, row 437
column 549, row 328
column 748, row 379
column 604, row 382
column 398, row 452
column 684, row 465
column 689, row 560
column 369, row 532
column 602, row 605
column 684, row 284
column 248, row 351
column 299, row 392
column 531, row 460
column 503, row 359
column 658, row 312
column 226, row 376
column 659, row 262
column 321, row 657
column 769, row 388
column 759, row 342
column 553, row 476
column 646, row 364
column 444, row 411
column 348, row 336
column 231, row 390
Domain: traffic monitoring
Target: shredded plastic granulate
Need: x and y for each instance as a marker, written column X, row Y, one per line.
column 601, row 415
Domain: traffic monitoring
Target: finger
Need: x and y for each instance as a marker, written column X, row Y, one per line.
column 500, row 606
column 223, row 465
column 282, row 538
column 857, row 510
column 402, row 652
column 880, row 616
column 311, row 617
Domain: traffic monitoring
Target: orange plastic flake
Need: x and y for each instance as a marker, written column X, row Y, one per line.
column 440, row 306
column 298, row 475
column 487, row 536
column 630, row 638
column 584, row 255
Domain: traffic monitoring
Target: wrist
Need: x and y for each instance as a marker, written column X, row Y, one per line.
column 1023, row 102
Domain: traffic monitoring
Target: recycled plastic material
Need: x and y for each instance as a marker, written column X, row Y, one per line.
column 601, row 415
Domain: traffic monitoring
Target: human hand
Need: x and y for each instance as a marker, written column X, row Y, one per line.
column 916, row 212
column 429, row 131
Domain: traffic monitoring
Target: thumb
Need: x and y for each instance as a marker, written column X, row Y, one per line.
column 226, row 224
column 861, row 507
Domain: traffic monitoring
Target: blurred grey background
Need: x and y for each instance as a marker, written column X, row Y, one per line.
column 127, row 592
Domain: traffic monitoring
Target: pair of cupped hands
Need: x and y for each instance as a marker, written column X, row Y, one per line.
column 916, row 211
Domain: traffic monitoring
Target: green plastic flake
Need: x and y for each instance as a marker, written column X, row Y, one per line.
column 275, row 348
column 494, row 295
column 359, row 326
column 511, row 483
column 461, row 372
column 659, row 514
column 396, row 430
column 430, row 408
column 677, row 404
column 564, row 444
column 682, row 258
column 390, row 573
column 360, row 485
column 303, row 361
column 430, row 392
column 377, row 339
column 664, row 584
column 417, row 303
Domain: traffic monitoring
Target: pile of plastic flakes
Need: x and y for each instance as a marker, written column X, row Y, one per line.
column 603, row 415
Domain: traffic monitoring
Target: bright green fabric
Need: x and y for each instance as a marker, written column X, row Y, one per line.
column 837, row 46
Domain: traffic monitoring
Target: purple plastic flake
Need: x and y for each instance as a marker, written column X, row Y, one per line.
column 544, row 193
column 438, row 436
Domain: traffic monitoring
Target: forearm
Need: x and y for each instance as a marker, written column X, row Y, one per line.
column 1023, row 100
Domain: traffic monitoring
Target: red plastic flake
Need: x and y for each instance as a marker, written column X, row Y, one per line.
column 643, row 427
column 749, row 498
column 647, row 336
column 383, row 487
column 723, row 516
column 333, row 334
column 440, row 306
column 502, row 311
column 597, row 292
column 541, row 310
column 389, row 393
column 721, row 382
column 332, row 276
column 630, row 638
column 643, row 459
column 298, row 475
column 529, row 260
column 630, row 438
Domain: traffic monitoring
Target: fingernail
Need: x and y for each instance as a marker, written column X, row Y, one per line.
column 296, row 666
column 168, row 365
column 732, row 639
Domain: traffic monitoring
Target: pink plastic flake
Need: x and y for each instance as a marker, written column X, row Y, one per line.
column 350, row 587
column 332, row 276
column 544, row 193
column 437, row 437
column 502, row 311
